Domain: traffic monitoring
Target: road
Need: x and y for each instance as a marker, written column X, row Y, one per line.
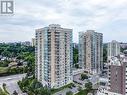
column 11, row 82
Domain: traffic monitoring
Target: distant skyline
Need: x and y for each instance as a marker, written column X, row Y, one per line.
column 104, row 16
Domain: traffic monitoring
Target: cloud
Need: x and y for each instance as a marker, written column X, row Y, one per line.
column 80, row 15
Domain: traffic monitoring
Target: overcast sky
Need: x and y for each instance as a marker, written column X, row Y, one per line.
column 105, row 16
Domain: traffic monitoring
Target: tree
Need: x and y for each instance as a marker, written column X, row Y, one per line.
column 79, row 88
column 2, row 92
column 69, row 93
column 77, row 66
column 84, row 76
column 4, row 84
column 33, row 87
column 15, row 93
column 88, row 86
column 105, row 52
column 6, row 53
column 75, row 55
column 20, row 52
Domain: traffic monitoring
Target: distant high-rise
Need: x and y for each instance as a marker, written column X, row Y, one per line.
column 33, row 42
column 113, row 49
column 123, row 45
column 54, row 56
column 91, row 51
column 26, row 43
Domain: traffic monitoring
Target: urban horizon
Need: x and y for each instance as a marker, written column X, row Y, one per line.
column 103, row 16
column 18, row 41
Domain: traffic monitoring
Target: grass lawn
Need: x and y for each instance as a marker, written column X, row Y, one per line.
column 83, row 92
column 2, row 92
column 61, row 88
column 5, row 90
column 3, row 70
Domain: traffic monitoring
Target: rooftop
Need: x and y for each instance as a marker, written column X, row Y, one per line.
column 118, row 60
column 54, row 25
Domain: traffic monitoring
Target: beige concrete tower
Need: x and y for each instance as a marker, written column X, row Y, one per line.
column 91, row 51
column 54, row 56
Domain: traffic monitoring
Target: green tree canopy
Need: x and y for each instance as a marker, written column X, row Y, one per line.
column 88, row 86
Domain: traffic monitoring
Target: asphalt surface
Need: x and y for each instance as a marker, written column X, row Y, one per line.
column 11, row 82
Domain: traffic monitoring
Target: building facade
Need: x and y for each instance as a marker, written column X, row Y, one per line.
column 33, row 42
column 123, row 45
column 104, row 91
column 54, row 56
column 117, row 75
column 113, row 49
column 91, row 51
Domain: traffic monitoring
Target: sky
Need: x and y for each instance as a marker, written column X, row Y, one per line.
column 105, row 16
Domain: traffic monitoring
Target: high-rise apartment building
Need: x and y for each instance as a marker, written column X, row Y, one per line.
column 33, row 42
column 123, row 45
column 54, row 56
column 117, row 75
column 113, row 49
column 91, row 51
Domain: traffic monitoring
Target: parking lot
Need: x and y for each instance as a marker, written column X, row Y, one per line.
column 11, row 82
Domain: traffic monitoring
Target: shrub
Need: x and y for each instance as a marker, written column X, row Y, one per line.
column 69, row 93
column 84, row 76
